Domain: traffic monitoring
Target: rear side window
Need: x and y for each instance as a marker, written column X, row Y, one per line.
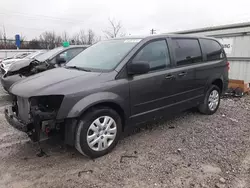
column 187, row 51
column 212, row 49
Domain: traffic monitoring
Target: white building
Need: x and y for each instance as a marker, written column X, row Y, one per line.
column 236, row 41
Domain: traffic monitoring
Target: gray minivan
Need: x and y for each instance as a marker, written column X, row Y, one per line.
column 119, row 83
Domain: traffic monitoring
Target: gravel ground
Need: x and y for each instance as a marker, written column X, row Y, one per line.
column 189, row 151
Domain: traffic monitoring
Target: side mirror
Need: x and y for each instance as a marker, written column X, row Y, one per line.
column 138, row 67
column 60, row 59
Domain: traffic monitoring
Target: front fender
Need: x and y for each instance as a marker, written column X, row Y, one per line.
column 96, row 98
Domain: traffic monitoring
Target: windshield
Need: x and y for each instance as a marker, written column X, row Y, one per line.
column 104, row 55
column 34, row 54
column 20, row 55
column 48, row 54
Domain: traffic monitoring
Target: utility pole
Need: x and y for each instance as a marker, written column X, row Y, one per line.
column 152, row 31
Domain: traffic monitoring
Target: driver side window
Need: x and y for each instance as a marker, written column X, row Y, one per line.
column 156, row 54
column 68, row 54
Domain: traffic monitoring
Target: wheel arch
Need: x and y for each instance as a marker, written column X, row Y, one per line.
column 110, row 104
column 106, row 99
column 219, row 83
column 216, row 80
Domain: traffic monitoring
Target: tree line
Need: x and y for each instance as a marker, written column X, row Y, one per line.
column 50, row 39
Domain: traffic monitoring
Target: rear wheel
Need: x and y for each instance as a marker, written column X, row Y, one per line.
column 211, row 101
column 98, row 132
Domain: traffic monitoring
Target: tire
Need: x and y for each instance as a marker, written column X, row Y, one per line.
column 205, row 107
column 96, row 131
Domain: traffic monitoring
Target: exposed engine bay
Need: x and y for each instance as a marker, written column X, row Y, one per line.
column 38, row 114
column 33, row 68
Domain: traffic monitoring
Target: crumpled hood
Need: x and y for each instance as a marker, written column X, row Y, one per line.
column 21, row 63
column 9, row 61
column 59, row 81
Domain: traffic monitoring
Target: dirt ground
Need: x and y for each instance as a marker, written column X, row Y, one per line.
column 188, row 151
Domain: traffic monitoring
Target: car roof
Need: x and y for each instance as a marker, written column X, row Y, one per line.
column 77, row 46
column 165, row 36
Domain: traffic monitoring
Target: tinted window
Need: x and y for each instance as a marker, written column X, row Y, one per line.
column 212, row 49
column 71, row 53
column 104, row 55
column 68, row 54
column 156, row 54
column 187, row 51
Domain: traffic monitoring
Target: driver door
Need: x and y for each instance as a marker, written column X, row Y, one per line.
column 153, row 91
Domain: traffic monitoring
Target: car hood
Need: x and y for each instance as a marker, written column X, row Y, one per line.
column 9, row 61
column 58, row 81
column 21, row 63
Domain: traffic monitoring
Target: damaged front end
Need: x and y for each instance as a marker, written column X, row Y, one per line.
column 28, row 68
column 35, row 115
column 21, row 70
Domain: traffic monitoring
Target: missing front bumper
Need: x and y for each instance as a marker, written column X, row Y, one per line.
column 34, row 129
column 14, row 121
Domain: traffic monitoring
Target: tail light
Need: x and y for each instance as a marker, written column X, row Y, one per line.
column 228, row 66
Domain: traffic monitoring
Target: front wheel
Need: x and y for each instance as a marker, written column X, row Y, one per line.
column 98, row 132
column 211, row 101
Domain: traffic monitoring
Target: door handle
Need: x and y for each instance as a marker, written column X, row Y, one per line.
column 182, row 74
column 170, row 77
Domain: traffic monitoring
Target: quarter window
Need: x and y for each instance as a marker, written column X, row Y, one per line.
column 213, row 49
column 156, row 54
column 187, row 51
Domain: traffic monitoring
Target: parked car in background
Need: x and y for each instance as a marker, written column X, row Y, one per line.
column 7, row 63
column 118, row 83
column 51, row 59
column 16, row 56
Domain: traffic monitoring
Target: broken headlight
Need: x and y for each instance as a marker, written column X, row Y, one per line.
column 50, row 103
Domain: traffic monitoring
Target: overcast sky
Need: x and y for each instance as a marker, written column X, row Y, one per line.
column 31, row 17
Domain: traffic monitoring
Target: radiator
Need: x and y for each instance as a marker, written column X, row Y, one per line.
column 23, row 109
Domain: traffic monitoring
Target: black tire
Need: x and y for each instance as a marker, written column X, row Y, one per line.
column 84, row 123
column 204, row 107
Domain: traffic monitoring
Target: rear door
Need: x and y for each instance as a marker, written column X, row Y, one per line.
column 187, row 53
column 215, row 64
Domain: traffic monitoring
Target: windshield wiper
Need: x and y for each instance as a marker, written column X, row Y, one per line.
column 77, row 68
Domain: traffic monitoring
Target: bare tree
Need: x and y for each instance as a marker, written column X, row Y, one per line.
column 58, row 41
column 114, row 30
column 34, row 44
column 1, row 35
column 90, row 37
column 82, row 37
column 65, row 36
column 75, row 39
column 1, row 39
column 48, row 39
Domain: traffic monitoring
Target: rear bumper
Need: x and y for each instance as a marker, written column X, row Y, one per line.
column 14, row 121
